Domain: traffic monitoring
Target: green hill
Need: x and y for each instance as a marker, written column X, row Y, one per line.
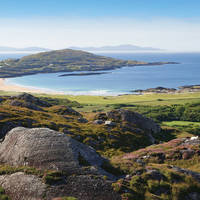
column 62, row 61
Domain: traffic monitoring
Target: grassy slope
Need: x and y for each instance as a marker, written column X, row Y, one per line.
column 99, row 103
column 88, row 132
column 146, row 99
column 167, row 183
column 107, row 141
column 116, row 142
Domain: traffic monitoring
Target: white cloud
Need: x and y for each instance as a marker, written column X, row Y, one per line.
column 175, row 35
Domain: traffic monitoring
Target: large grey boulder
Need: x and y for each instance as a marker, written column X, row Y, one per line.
column 50, row 150
column 20, row 186
column 45, row 149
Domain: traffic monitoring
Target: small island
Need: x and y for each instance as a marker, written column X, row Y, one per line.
column 85, row 74
column 66, row 60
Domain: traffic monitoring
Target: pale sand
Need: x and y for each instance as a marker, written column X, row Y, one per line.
column 5, row 86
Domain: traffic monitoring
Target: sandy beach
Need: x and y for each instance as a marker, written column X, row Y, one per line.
column 5, row 86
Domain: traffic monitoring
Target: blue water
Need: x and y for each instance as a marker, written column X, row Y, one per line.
column 121, row 81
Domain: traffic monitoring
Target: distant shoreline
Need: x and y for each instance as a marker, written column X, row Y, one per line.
column 163, row 90
column 10, row 87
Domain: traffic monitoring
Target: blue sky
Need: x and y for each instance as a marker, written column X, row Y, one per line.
column 63, row 23
column 101, row 8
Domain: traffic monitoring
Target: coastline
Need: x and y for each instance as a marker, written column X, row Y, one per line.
column 12, row 87
column 9, row 87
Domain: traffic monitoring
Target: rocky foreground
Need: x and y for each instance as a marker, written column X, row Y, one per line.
column 60, row 166
column 48, row 151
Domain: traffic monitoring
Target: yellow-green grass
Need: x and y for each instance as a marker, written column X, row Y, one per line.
column 181, row 123
column 184, row 126
column 98, row 103
column 146, row 99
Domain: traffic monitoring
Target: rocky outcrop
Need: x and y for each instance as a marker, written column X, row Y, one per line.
column 7, row 126
column 195, row 175
column 130, row 120
column 28, row 98
column 64, row 110
column 156, row 90
column 21, row 186
column 25, row 105
column 134, row 118
column 45, row 149
column 181, row 89
column 84, row 187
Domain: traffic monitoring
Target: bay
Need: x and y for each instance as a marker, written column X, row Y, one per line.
column 123, row 80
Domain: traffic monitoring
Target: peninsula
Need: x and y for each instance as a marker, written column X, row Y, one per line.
column 66, row 60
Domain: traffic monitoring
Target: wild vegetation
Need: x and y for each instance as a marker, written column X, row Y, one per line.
column 168, row 169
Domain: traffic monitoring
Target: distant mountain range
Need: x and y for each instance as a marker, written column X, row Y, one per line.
column 27, row 49
column 126, row 47
column 119, row 48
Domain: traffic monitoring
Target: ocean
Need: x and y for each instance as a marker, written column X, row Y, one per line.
column 120, row 81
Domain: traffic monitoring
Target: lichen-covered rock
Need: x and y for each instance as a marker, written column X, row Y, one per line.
column 45, row 149
column 20, row 186
column 84, row 187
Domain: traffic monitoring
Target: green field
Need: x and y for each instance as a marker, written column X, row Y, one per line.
column 185, row 126
column 147, row 99
column 90, row 103
column 181, row 123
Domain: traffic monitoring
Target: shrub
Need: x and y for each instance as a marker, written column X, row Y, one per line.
column 53, row 177
column 69, row 198
column 158, row 188
column 127, row 196
column 117, row 186
column 107, row 166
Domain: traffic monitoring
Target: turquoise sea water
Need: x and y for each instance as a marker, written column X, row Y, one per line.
column 121, row 81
